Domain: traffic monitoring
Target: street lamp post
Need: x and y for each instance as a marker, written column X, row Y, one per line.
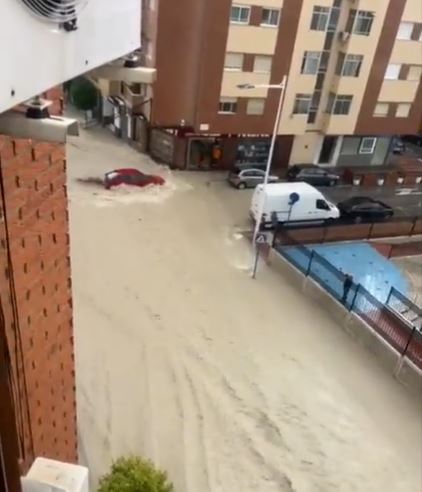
column 282, row 88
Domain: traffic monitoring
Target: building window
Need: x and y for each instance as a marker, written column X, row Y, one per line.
column 255, row 106
column 415, row 72
column 227, row 105
column 310, row 62
column 233, row 61
column 270, row 17
column 262, row 63
column 393, row 71
column 403, row 110
column 381, row 110
column 405, row 30
column 302, row 104
column 360, row 22
column 367, row 145
column 320, row 18
column 349, row 65
column 339, row 104
column 240, row 14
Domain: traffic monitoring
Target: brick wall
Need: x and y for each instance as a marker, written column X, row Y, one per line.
column 34, row 183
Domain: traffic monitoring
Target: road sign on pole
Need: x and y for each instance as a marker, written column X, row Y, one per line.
column 293, row 198
column 261, row 239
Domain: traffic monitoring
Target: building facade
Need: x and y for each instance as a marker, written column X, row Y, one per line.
column 35, row 294
column 354, row 79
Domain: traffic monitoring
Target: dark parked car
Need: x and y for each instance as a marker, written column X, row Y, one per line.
column 249, row 178
column 313, row 175
column 360, row 208
column 129, row 176
column 398, row 146
column 414, row 139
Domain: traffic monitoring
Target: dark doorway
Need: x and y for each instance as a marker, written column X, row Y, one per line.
column 327, row 150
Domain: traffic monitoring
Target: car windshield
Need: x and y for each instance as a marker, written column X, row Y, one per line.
column 112, row 175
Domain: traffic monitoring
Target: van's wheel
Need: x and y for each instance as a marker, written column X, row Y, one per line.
column 332, row 182
column 358, row 219
column 241, row 186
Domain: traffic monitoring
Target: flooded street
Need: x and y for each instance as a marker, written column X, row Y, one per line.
column 230, row 384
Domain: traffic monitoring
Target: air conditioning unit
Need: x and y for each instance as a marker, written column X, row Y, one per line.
column 48, row 475
column 46, row 42
column 344, row 36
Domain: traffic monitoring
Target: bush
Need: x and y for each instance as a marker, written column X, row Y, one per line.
column 83, row 94
column 134, row 474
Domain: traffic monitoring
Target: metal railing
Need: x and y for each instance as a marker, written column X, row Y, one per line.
column 397, row 321
column 347, row 230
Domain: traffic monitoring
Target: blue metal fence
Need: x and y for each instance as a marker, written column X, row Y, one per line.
column 398, row 321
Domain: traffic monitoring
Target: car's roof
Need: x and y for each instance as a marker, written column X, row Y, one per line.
column 252, row 169
column 306, row 166
column 357, row 200
column 127, row 170
column 296, row 187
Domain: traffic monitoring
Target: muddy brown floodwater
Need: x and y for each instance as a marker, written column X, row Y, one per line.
column 230, row 384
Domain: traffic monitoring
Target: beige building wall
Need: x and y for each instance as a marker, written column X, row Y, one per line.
column 409, row 52
column 356, row 86
column 308, row 40
column 232, row 78
column 413, row 11
column 305, row 148
column 251, row 39
column 275, row 4
column 398, row 91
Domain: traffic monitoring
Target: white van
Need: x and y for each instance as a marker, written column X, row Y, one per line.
column 311, row 205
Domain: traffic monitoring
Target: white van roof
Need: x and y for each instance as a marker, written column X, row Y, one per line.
column 275, row 189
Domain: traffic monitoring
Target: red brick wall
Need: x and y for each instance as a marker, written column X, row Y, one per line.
column 34, row 178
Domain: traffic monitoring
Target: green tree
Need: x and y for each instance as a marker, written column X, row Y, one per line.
column 134, row 474
column 83, row 94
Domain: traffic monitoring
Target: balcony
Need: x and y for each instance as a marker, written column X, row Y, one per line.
column 134, row 96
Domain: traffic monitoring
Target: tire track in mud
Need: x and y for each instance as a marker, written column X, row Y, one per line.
column 254, row 430
column 195, row 455
column 285, row 433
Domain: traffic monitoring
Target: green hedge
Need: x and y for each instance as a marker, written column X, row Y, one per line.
column 134, row 474
column 83, row 94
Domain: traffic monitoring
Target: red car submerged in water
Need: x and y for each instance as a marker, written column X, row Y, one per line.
column 130, row 176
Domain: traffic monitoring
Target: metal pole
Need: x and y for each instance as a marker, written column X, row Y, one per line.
column 255, row 266
column 268, row 168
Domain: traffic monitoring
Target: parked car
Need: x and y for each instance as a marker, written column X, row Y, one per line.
column 132, row 177
column 360, row 208
column 312, row 174
column 414, row 139
column 398, row 146
column 249, row 178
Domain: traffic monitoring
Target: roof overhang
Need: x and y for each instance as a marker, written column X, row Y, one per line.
column 141, row 75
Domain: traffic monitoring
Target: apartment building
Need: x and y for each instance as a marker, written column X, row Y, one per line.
column 354, row 80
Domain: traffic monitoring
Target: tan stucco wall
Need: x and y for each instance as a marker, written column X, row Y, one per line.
column 413, row 11
column 276, row 4
column 305, row 148
column 407, row 52
column 355, row 86
column 398, row 91
column 231, row 79
column 251, row 39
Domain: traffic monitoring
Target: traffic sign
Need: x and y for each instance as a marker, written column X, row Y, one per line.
column 261, row 239
column 294, row 198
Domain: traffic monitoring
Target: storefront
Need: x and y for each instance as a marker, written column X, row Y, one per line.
column 216, row 152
